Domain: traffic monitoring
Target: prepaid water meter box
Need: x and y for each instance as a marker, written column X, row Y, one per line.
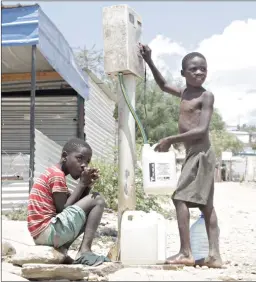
column 122, row 32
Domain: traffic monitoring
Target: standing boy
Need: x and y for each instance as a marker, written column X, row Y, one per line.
column 196, row 184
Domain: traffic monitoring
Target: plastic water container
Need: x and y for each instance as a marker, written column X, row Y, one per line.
column 143, row 238
column 159, row 171
column 199, row 239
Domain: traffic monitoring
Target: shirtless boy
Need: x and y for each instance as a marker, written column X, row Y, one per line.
column 196, row 184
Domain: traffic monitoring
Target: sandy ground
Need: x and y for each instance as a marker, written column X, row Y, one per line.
column 236, row 209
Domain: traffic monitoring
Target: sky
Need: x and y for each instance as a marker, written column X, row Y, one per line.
column 225, row 32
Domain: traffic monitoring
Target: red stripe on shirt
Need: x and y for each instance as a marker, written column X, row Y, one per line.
column 41, row 206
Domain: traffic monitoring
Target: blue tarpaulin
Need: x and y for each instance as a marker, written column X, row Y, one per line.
column 29, row 25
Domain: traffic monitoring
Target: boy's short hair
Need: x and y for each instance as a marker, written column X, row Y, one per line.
column 73, row 144
column 190, row 56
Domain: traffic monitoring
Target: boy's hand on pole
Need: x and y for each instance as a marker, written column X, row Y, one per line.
column 145, row 52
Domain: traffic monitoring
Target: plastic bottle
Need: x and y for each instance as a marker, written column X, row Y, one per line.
column 159, row 171
column 199, row 239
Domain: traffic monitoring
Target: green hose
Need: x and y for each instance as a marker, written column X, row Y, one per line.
column 121, row 81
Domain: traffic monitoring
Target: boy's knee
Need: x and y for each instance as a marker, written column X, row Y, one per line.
column 100, row 201
column 177, row 202
column 206, row 209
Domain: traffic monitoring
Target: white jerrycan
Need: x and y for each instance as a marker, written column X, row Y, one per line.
column 143, row 238
column 159, row 171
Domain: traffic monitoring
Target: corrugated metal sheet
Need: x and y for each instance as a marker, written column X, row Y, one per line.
column 47, row 153
column 100, row 126
column 55, row 116
column 14, row 194
column 40, row 85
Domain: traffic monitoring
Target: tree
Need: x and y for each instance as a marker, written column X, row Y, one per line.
column 217, row 122
column 90, row 59
column 157, row 111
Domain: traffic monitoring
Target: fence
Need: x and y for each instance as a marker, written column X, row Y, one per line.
column 15, row 180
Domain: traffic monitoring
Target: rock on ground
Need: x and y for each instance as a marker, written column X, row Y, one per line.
column 7, row 248
column 70, row 272
column 38, row 254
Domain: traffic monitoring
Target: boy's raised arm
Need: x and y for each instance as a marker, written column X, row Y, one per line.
column 164, row 86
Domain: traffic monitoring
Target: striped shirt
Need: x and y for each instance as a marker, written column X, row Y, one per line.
column 41, row 206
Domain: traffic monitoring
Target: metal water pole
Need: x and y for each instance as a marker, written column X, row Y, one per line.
column 126, row 153
column 32, row 117
column 126, row 147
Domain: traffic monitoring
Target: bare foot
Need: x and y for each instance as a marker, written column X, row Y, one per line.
column 181, row 259
column 211, row 262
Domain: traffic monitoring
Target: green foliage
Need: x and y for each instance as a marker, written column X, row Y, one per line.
column 19, row 214
column 107, row 185
column 217, row 122
column 221, row 139
column 157, row 111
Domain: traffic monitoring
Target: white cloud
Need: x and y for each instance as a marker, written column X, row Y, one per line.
column 231, row 60
column 162, row 46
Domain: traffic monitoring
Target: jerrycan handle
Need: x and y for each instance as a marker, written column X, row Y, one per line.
column 153, row 147
column 131, row 215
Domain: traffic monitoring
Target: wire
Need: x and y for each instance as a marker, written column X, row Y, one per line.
column 121, row 81
column 145, row 101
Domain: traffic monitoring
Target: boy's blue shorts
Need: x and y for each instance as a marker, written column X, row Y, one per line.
column 64, row 228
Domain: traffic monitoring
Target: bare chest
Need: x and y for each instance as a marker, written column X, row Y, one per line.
column 190, row 106
column 190, row 111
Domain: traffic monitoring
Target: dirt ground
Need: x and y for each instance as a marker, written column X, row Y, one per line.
column 236, row 209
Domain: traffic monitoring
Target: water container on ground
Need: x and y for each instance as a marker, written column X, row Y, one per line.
column 199, row 239
column 143, row 238
column 159, row 171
